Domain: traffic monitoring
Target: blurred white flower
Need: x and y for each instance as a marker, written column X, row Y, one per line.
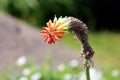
column 94, row 75
column 82, row 76
column 74, row 63
column 68, row 76
column 61, row 67
column 21, row 61
column 115, row 73
column 26, row 71
column 36, row 76
column 23, row 78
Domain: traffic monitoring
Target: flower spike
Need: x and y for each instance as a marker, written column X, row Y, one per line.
column 55, row 30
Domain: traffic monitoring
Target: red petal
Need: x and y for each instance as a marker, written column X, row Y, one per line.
column 51, row 39
column 46, row 38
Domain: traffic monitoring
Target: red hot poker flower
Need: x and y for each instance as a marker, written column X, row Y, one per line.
column 56, row 30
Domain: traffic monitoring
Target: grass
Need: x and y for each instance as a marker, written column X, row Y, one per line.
column 105, row 44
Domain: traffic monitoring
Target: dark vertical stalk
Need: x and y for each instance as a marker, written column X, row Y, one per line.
column 87, row 70
column 81, row 31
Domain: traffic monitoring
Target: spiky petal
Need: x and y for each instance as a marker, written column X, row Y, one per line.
column 55, row 30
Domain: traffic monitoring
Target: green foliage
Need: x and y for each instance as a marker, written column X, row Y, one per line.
column 68, row 71
column 105, row 44
column 38, row 12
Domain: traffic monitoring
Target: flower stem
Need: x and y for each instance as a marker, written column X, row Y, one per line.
column 87, row 70
column 81, row 31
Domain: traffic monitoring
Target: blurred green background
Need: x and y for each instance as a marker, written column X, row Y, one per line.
column 97, row 14
column 100, row 16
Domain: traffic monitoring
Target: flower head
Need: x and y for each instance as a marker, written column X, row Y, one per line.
column 26, row 71
column 21, row 61
column 23, row 78
column 68, row 76
column 115, row 73
column 74, row 63
column 36, row 76
column 61, row 67
column 55, row 30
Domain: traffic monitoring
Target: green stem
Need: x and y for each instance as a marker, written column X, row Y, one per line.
column 87, row 70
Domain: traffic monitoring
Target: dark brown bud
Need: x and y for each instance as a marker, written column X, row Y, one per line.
column 81, row 31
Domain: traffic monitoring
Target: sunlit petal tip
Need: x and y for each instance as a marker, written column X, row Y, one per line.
column 55, row 18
